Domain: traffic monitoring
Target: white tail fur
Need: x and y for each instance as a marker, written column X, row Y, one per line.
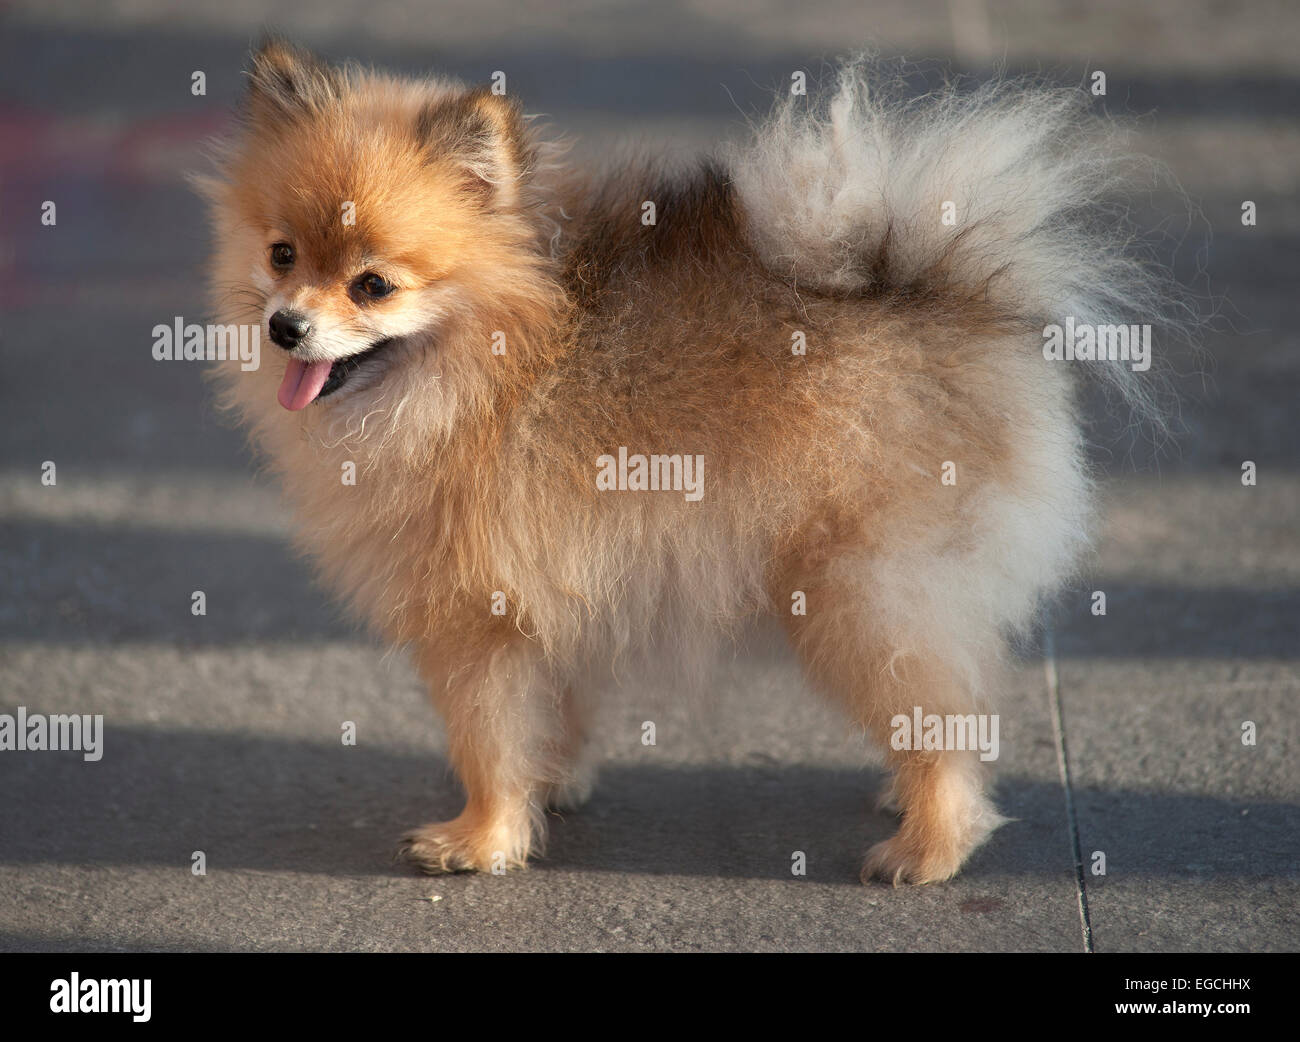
column 847, row 194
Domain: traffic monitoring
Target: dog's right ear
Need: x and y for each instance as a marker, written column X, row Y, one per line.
column 288, row 81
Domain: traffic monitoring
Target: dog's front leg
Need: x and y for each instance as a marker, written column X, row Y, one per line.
column 504, row 725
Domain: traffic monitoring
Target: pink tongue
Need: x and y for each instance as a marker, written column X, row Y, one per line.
column 302, row 383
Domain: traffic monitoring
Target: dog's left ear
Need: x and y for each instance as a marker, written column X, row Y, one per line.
column 287, row 81
column 486, row 135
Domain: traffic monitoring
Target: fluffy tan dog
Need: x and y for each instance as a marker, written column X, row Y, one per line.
column 591, row 415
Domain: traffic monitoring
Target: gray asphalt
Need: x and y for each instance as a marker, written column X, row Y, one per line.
column 1120, row 735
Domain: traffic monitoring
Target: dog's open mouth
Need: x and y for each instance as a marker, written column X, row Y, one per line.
column 305, row 382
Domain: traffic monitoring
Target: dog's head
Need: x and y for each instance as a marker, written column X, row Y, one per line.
column 382, row 234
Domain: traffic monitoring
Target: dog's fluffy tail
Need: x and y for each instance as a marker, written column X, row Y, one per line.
column 1011, row 194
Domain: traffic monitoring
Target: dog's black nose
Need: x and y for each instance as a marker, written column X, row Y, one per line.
column 289, row 328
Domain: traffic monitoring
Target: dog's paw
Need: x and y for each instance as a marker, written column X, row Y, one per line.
column 896, row 861
column 464, row 846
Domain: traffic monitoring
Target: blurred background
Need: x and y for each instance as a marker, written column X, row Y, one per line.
column 223, row 730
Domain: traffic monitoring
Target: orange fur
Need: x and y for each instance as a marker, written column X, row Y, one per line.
column 476, row 470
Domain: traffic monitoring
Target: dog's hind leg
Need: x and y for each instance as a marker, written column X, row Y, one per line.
column 856, row 646
column 573, row 761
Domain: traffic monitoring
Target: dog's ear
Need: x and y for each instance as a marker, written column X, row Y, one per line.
column 288, row 81
column 486, row 135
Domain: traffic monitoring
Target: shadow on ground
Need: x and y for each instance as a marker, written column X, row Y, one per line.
column 289, row 805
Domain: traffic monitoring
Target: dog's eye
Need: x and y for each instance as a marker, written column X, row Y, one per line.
column 281, row 255
column 373, row 285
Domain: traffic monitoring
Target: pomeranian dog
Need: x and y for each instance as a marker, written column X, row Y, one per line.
column 591, row 415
